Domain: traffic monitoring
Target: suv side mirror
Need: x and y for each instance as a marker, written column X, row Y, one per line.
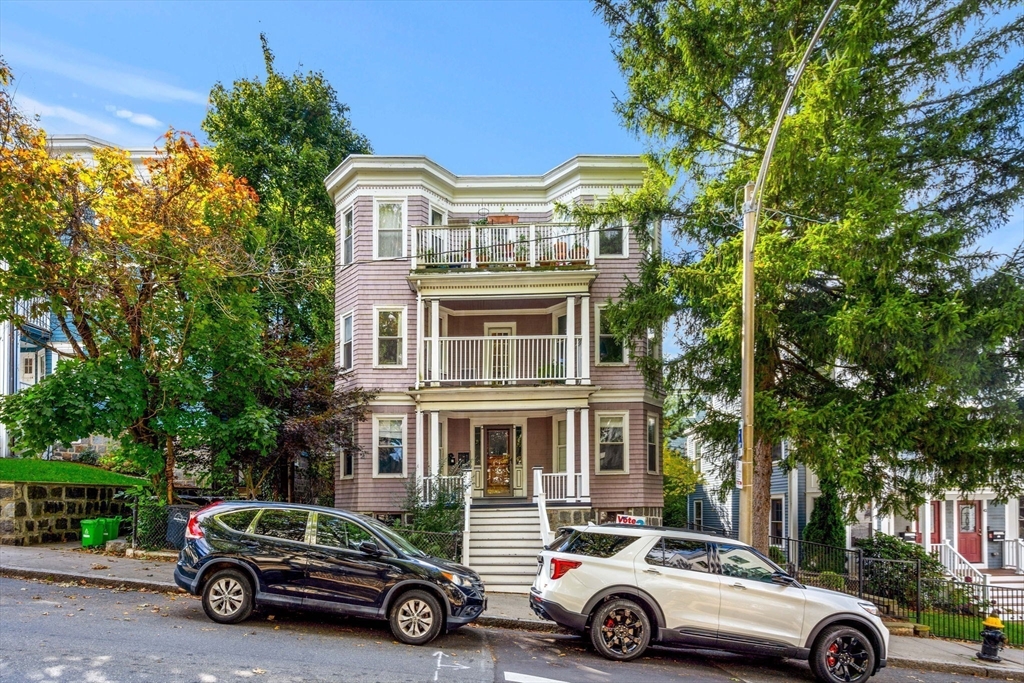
column 369, row 547
column 784, row 579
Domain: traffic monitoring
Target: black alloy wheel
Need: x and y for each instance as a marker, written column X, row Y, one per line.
column 843, row 655
column 620, row 630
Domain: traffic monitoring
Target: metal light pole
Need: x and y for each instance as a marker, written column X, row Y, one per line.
column 751, row 214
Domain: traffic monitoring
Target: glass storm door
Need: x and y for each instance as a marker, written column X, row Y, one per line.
column 969, row 531
column 498, row 477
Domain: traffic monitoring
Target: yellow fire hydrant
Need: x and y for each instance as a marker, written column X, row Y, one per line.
column 992, row 639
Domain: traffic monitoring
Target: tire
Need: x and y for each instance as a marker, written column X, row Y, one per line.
column 843, row 654
column 416, row 618
column 620, row 630
column 227, row 597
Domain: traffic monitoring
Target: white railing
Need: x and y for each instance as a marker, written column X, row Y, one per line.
column 542, row 506
column 24, row 308
column 1013, row 555
column 467, row 502
column 515, row 245
column 502, row 359
column 450, row 486
column 957, row 565
column 556, row 487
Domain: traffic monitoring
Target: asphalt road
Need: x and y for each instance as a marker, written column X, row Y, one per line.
column 64, row 632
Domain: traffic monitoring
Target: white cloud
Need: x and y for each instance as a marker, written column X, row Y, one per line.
column 91, row 70
column 85, row 122
column 138, row 119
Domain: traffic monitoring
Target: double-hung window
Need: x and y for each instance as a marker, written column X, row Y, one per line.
column 347, row 237
column 611, row 239
column 390, row 230
column 389, row 332
column 609, row 348
column 346, row 342
column 698, row 515
column 389, row 442
column 775, row 525
column 652, row 444
column 612, row 438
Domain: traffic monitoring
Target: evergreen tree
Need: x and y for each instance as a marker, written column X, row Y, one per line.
column 889, row 345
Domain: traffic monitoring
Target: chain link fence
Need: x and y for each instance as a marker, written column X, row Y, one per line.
column 446, row 545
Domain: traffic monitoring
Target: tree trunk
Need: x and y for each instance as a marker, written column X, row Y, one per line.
column 169, row 470
column 762, row 495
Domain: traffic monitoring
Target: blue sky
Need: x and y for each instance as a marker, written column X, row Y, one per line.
column 506, row 87
column 480, row 87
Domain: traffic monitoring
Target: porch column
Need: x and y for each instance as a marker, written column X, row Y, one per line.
column 570, row 342
column 585, row 343
column 927, row 524
column 435, row 443
column 570, row 453
column 794, row 501
column 435, row 342
column 984, row 531
column 584, row 491
column 419, row 345
column 1012, row 515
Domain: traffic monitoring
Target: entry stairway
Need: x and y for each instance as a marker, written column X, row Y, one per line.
column 503, row 545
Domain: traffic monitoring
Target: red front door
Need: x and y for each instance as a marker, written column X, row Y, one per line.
column 968, row 519
column 936, row 522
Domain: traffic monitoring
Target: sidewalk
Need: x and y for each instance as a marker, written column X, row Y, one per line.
column 63, row 563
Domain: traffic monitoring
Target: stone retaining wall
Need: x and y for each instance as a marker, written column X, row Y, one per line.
column 34, row 512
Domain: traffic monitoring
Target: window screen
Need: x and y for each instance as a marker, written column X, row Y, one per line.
column 287, row 524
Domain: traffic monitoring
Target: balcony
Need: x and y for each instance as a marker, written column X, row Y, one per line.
column 509, row 246
column 468, row 361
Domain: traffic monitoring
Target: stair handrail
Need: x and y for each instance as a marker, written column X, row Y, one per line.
column 957, row 565
column 1013, row 554
column 467, row 502
column 542, row 505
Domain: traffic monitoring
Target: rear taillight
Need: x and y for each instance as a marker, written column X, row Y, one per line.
column 193, row 531
column 559, row 567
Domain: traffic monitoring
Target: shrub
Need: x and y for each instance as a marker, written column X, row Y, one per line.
column 777, row 555
column 831, row 581
column 894, row 574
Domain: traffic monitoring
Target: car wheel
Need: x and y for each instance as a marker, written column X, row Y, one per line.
column 227, row 597
column 620, row 630
column 842, row 655
column 416, row 618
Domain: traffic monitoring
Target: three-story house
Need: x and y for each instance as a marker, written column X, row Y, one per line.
column 477, row 316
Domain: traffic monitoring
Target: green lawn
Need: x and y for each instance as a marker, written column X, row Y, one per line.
column 963, row 627
column 60, row 472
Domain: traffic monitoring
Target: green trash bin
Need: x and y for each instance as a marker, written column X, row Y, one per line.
column 92, row 533
column 103, row 529
column 114, row 526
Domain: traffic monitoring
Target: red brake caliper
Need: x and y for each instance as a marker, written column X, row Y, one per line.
column 831, row 659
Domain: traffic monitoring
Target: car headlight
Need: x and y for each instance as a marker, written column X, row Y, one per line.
column 869, row 607
column 457, row 579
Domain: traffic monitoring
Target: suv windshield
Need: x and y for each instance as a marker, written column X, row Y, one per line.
column 394, row 538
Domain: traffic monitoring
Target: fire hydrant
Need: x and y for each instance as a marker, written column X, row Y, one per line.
column 993, row 638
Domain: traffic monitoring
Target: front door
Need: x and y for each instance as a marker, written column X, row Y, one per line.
column 499, row 353
column 498, row 462
column 936, row 522
column 968, row 519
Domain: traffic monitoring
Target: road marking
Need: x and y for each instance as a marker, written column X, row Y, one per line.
column 511, row 677
column 437, row 670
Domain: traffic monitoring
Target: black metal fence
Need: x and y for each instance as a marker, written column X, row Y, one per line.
column 157, row 526
column 446, row 545
column 951, row 609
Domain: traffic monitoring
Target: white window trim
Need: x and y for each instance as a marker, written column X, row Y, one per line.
column 657, row 444
column 376, row 444
column 625, row 244
column 597, row 342
column 434, row 207
column 341, row 465
column 341, row 340
column 771, row 503
column 624, row 414
column 376, row 332
column 25, row 360
column 351, row 208
column 554, row 445
column 696, row 504
column 558, row 312
column 377, row 201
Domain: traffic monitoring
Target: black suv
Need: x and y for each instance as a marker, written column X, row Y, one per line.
column 241, row 554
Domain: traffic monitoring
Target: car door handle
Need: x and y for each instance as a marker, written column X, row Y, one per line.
column 740, row 586
column 651, row 571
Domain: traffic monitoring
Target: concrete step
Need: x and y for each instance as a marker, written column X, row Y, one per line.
column 494, row 527
column 485, row 562
column 504, row 515
column 523, row 542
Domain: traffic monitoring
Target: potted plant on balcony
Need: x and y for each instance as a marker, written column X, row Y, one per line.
column 548, row 374
column 522, row 250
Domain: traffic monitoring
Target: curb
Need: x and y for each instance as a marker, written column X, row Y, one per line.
column 104, row 581
column 979, row 670
column 519, row 624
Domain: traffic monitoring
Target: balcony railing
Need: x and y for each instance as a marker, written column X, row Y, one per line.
column 502, row 246
column 24, row 309
column 503, row 360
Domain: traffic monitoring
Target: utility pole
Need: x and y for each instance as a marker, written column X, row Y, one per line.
column 751, row 213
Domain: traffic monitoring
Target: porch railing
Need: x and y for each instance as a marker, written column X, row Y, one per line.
column 957, row 565
column 1013, row 554
column 556, row 487
column 501, row 246
column 535, row 358
column 447, row 487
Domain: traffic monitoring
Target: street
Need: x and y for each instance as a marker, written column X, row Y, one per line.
column 64, row 632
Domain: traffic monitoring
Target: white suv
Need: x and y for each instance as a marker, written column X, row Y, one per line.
column 631, row 586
